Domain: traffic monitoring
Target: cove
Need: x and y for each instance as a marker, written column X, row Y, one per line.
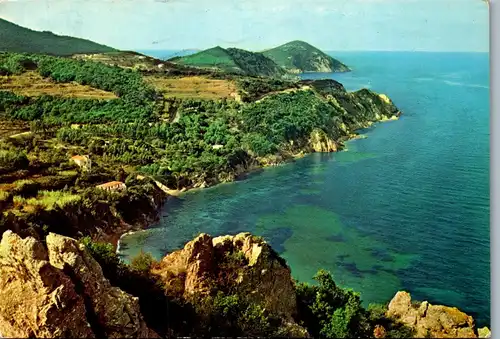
column 407, row 208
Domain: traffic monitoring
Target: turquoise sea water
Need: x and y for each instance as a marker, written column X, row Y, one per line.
column 407, row 208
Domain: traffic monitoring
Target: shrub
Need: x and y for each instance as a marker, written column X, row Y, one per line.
column 4, row 196
column 328, row 310
column 231, row 315
column 48, row 200
column 26, row 188
column 142, row 262
column 103, row 253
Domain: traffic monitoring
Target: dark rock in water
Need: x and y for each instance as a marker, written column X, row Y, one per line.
column 336, row 238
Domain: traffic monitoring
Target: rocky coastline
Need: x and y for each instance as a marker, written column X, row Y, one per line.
column 72, row 290
column 317, row 146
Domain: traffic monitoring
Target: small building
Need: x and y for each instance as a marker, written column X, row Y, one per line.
column 82, row 161
column 113, row 186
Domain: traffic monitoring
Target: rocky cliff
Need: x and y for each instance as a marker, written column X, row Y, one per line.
column 321, row 142
column 232, row 285
column 60, row 291
column 242, row 265
column 432, row 321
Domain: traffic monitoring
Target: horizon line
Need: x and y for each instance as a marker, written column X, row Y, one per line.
column 324, row 50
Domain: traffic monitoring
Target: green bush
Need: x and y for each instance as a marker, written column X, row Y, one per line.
column 26, row 188
column 330, row 311
column 142, row 262
column 231, row 315
column 104, row 253
column 12, row 160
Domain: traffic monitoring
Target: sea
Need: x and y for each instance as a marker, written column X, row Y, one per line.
column 406, row 208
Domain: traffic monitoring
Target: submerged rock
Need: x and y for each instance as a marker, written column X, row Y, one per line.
column 435, row 321
column 61, row 292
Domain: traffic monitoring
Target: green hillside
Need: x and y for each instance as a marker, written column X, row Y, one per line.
column 14, row 38
column 298, row 57
column 293, row 57
column 255, row 63
column 217, row 58
column 232, row 60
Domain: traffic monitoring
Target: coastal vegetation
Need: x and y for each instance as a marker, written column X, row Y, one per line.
column 134, row 124
column 325, row 310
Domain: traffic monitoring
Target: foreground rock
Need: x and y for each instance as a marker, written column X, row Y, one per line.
column 243, row 264
column 434, row 321
column 61, row 292
column 484, row 332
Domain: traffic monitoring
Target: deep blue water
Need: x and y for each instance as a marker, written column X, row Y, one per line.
column 407, row 208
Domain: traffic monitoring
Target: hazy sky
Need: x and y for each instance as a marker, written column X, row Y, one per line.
column 422, row 25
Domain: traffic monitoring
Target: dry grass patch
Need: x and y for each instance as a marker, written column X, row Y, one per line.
column 193, row 87
column 33, row 84
column 46, row 200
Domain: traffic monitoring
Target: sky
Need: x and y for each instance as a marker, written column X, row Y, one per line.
column 332, row 25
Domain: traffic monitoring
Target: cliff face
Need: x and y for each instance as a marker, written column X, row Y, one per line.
column 99, row 218
column 435, row 321
column 321, row 142
column 61, row 292
column 243, row 264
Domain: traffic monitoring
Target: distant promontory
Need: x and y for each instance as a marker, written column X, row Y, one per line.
column 291, row 58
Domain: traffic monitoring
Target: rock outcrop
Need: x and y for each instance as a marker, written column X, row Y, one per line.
column 244, row 264
column 435, row 321
column 484, row 332
column 61, row 292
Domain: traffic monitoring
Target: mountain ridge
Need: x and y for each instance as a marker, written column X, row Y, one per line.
column 19, row 39
column 291, row 58
column 301, row 57
column 232, row 60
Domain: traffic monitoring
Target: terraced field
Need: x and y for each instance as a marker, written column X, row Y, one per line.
column 194, row 87
column 33, row 84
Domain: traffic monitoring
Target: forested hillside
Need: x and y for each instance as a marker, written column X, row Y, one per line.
column 14, row 38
